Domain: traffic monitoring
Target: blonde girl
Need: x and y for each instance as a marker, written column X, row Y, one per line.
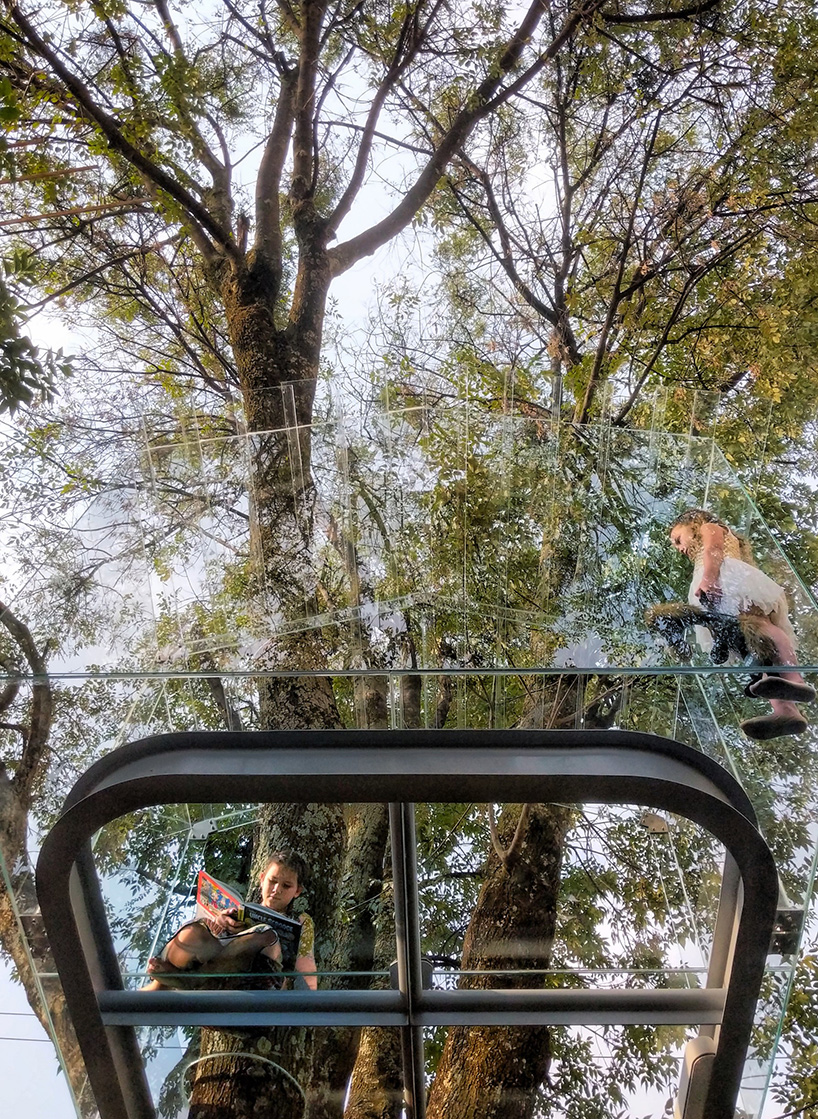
column 726, row 580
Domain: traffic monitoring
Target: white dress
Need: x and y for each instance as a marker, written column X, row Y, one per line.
column 744, row 588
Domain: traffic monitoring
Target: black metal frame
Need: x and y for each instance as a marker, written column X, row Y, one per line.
column 401, row 767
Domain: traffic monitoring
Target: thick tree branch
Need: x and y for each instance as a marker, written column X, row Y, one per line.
column 203, row 225
column 312, row 16
column 21, row 728
column 11, row 688
column 508, row 855
column 41, row 707
column 663, row 16
column 487, row 97
column 268, row 183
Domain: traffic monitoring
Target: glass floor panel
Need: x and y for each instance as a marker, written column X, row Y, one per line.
column 479, row 541
column 502, row 570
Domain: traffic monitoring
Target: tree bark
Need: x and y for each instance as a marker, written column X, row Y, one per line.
column 242, row 1078
column 491, row 1072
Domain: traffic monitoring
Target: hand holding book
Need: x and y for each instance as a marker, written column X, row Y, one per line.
column 223, row 906
column 227, row 921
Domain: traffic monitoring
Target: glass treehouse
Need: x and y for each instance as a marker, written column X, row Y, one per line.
column 467, row 590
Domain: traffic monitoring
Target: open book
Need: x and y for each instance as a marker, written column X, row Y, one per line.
column 213, row 897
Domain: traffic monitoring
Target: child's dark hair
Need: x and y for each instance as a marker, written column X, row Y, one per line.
column 291, row 860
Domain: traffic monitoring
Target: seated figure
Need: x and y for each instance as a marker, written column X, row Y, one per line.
column 225, row 945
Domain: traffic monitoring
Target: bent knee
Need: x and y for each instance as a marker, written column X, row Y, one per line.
column 193, row 936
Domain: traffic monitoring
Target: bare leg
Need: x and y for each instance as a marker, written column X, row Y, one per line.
column 163, row 973
column 238, row 953
column 193, row 944
column 193, row 947
column 784, row 686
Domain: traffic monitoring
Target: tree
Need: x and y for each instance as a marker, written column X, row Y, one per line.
column 162, row 236
column 655, row 207
column 28, row 719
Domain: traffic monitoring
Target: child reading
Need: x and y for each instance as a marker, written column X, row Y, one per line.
column 226, row 945
column 726, row 579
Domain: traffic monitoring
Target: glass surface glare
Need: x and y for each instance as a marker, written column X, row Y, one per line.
column 463, row 570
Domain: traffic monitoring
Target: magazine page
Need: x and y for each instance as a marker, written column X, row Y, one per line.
column 214, row 897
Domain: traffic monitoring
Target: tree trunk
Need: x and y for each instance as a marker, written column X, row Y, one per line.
column 354, row 950
column 282, row 502
column 376, row 1087
column 493, row 1073
column 27, row 947
column 53, row 1017
column 243, row 1078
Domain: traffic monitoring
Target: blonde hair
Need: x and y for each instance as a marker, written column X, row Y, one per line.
column 695, row 518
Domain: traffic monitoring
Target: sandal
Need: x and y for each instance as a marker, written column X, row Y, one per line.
column 763, row 727
column 776, row 687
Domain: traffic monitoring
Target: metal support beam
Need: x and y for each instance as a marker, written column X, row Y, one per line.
column 400, row 766
column 554, row 1007
column 407, row 935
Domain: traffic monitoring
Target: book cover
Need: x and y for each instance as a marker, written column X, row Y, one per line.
column 214, row 897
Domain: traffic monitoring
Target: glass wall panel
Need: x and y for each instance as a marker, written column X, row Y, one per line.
column 440, row 567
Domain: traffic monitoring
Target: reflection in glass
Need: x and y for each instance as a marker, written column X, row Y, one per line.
column 455, row 569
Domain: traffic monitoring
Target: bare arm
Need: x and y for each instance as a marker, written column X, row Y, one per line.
column 713, row 537
column 305, row 961
column 306, row 964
